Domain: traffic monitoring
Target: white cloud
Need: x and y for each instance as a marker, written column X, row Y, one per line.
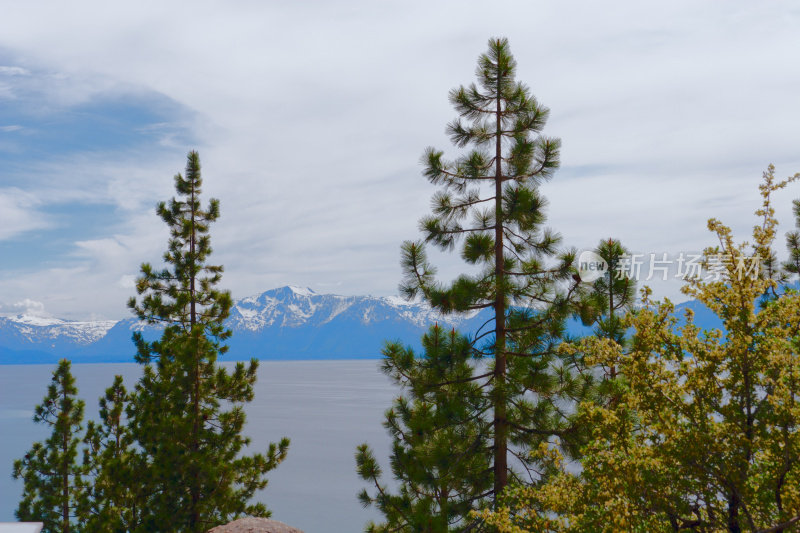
column 129, row 180
column 75, row 293
column 127, row 281
column 19, row 213
column 23, row 307
column 13, row 71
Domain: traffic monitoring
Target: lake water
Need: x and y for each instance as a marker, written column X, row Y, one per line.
column 326, row 408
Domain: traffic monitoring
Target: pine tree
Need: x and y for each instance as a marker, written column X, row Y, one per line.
column 50, row 471
column 490, row 201
column 783, row 272
column 114, row 495
column 792, row 265
column 186, row 413
column 613, row 294
column 441, row 456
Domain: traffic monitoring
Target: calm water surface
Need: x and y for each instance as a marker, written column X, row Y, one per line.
column 326, row 408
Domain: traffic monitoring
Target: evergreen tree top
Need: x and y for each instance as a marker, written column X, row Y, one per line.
column 496, row 109
column 183, row 294
column 489, row 199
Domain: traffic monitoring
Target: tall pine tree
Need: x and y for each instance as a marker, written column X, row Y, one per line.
column 186, row 413
column 441, row 457
column 489, row 201
column 50, row 471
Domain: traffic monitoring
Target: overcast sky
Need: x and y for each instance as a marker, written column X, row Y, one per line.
column 310, row 119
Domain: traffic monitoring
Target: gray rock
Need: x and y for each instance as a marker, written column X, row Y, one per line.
column 255, row 525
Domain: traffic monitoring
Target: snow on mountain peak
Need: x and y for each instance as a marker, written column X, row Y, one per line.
column 33, row 320
column 398, row 301
column 301, row 291
column 40, row 328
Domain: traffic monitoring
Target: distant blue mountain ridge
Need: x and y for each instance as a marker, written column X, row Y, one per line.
column 288, row 323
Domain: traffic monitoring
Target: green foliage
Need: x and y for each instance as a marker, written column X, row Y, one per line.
column 51, row 474
column 183, row 296
column 792, row 264
column 186, row 412
column 614, row 294
column 610, row 298
column 441, row 453
column 704, row 435
column 115, row 494
column 490, row 204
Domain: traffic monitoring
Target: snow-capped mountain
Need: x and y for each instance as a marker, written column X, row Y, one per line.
column 43, row 330
column 290, row 307
column 285, row 323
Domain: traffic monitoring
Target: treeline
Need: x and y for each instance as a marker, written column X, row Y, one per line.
column 649, row 424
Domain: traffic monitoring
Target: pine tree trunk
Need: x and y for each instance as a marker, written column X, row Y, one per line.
column 611, row 315
column 194, row 489
column 499, row 393
column 65, row 472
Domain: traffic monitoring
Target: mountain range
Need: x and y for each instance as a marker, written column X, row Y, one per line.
column 284, row 323
column 288, row 323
